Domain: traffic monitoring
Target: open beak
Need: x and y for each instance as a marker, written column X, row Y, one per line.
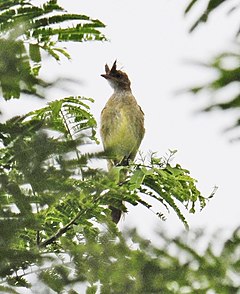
column 106, row 76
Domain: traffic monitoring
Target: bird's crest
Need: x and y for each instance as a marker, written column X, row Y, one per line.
column 113, row 69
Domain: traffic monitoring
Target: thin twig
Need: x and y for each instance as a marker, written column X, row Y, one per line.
column 61, row 231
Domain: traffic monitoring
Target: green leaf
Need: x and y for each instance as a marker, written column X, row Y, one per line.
column 34, row 51
column 91, row 290
column 5, row 289
column 19, row 282
column 137, row 179
column 63, row 52
column 190, row 5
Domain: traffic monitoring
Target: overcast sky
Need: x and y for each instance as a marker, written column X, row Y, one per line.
column 151, row 43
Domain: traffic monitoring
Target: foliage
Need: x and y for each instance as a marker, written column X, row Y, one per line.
column 51, row 199
column 226, row 66
column 26, row 31
column 176, row 268
column 166, row 184
column 212, row 6
column 54, row 216
column 50, row 195
column 108, row 263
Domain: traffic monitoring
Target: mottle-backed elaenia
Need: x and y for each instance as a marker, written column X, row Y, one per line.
column 122, row 123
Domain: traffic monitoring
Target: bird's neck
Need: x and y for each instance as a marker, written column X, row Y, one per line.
column 122, row 90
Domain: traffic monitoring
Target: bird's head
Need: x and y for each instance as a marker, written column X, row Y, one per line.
column 117, row 79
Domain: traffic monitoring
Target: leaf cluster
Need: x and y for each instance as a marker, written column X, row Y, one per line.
column 50, row 194
column 211, row 7
column 34, row 176
column 169, row 185
column 226, row 66
column 110, row 265
column 227, row 76
column 26, row 31
column 176, row 268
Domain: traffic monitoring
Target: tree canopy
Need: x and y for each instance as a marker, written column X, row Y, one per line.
column 54, row 218
column 226, row 65
column 26, row 31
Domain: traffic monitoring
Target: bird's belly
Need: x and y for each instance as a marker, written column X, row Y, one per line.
column 120, row 136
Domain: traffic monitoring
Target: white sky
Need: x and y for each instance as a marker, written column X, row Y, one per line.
column 151, row 43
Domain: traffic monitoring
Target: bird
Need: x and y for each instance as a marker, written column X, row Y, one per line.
column 122, row 124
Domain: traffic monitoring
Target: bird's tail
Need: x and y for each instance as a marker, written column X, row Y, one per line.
column 116, row 213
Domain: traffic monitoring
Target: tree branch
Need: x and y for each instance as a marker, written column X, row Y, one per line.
column 60, row 232
column 63, row 230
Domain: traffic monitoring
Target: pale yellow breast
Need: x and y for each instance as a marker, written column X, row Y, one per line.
column 122, row 126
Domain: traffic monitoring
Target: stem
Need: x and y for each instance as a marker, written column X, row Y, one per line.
column 69, row 132
column 63, row 230
column 60, row 232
